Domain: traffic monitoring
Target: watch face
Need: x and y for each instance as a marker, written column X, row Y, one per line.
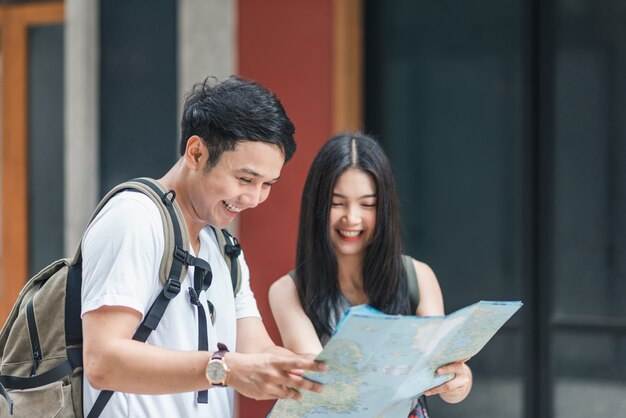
column 216, row 372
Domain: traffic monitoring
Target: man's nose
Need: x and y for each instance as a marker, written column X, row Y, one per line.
column 253, row 198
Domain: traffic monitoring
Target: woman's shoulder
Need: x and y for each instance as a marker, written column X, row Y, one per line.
column 421, row 268
column 282, row 286
column 431, row 300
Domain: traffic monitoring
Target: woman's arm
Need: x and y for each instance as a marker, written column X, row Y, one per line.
column 431, row 303
column 295, row 327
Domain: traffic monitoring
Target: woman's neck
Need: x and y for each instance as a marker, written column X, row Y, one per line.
column 350, row 278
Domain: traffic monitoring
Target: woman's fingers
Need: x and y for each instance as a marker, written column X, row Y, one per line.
column 459, row 382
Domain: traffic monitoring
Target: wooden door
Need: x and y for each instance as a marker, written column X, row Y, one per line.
column 15, row 20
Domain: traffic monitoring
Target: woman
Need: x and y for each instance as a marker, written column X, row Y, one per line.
column 349, row 253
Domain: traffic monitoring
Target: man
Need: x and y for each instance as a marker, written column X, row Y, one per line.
column 235, row 140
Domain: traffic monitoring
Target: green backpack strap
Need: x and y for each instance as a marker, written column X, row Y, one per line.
column 174, row 263
column 411, row 276
column 230, row 249
column 176, row 247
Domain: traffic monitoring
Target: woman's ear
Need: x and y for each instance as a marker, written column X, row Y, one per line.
column 195, row 153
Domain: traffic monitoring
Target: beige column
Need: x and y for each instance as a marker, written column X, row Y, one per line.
column 81, row 117
column 206, row 41
column 207, row 45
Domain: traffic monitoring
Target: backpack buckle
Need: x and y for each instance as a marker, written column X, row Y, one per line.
column 233, row 250
column 182, row 256
column 171, row 288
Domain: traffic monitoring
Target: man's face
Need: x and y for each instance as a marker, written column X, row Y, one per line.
column 240, row 180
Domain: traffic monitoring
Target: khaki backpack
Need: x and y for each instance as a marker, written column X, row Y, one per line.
column 41, row 341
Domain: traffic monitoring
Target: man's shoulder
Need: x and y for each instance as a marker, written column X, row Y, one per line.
column 131, row 205
column 127, row 214
column 132, row 199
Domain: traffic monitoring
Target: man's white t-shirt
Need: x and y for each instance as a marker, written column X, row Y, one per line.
column 122, row 251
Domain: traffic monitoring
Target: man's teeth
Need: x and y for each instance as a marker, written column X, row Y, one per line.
column 349, row 234
column 231, row 207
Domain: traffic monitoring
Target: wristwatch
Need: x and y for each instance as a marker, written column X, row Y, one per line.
column 216, row 369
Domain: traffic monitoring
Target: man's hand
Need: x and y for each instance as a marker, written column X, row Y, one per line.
column 270, row 376
column 458, row 388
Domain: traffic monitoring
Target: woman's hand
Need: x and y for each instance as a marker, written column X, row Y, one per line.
column 458, row 388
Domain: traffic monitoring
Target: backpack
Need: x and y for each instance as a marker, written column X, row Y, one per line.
column 411, row 276
column 41, row 341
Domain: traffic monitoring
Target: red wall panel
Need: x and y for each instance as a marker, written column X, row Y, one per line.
column 287, row 46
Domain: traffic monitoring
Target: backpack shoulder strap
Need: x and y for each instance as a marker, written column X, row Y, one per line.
column 174, row 263
column 174, row 227
column 230, row 249
column 411, row 276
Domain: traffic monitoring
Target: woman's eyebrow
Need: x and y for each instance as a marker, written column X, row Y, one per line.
column 365, row 196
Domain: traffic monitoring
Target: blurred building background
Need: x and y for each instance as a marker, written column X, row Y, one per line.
column 504, row 121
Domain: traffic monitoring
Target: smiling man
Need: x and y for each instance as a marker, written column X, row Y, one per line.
column 235, row 140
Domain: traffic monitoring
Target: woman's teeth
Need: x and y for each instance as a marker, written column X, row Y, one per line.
column 349, row 234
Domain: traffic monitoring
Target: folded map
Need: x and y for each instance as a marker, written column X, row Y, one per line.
column 378, row 363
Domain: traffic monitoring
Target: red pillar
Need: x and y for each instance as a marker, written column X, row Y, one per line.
column 286, row 45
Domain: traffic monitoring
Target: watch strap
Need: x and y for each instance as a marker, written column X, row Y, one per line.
column 220, row 353
column 219, row 356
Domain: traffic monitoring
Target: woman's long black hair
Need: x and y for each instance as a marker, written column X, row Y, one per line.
column 384, row 277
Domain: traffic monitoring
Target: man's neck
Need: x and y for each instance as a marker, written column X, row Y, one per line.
column 173, row 180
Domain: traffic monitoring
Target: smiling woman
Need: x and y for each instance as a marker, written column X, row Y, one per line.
column 349, row 253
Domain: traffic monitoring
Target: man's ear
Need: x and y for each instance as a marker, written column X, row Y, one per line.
column 195, row 153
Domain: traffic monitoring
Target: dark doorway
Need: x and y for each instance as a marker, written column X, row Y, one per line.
column 502, row 122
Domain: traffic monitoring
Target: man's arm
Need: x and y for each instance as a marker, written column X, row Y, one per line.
column 252, row 337
column 113, row 361
column 274, row 370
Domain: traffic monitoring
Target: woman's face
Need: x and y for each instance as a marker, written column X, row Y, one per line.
column 353, row 212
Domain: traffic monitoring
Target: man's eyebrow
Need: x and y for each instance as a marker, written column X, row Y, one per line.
column 256, row 174
column 250, row 171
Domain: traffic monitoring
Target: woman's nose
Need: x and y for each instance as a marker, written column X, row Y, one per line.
column 352, row 215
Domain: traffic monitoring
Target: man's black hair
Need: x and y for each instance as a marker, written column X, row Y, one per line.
column 234, row 110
